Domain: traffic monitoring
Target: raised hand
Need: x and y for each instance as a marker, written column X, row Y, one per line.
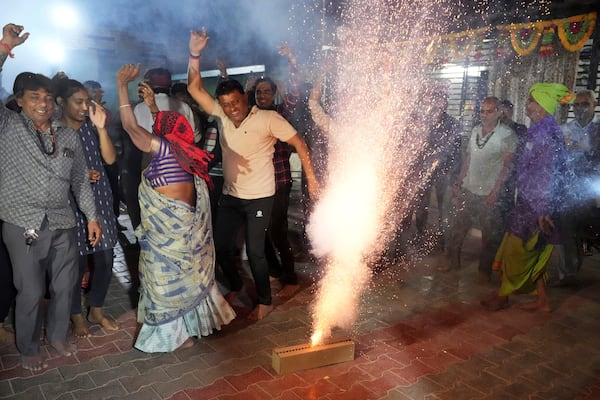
column 11, row 35
column 198, row 41
column 97, row 114
column 147, row 94
column 128, row 73
column 250, row 82
column 286, row 50
column 222, row 66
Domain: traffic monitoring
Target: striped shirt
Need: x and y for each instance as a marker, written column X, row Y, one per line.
column 164, row 169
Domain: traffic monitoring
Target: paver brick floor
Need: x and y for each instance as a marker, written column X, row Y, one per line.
column 421, row 334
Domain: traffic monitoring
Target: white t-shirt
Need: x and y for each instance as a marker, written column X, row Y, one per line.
column 487, row 159
column 164, row 103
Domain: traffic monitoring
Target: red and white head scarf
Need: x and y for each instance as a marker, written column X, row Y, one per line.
column 176, row 129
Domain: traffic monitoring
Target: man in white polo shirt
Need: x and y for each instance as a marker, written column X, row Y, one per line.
column 247, row 140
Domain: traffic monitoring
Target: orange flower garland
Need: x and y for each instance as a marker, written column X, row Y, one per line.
column 575, row 31
column 525, row 37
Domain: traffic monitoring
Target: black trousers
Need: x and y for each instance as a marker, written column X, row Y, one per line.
column 232, row 215
column 99, row 282
column 131, row 176
column 277, row 241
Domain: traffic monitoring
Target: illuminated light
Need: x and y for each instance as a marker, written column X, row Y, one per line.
column 459, row 70
column 54, row 52
column 65, row 16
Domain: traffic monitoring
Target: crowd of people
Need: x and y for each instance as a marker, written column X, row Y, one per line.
column 198, row 171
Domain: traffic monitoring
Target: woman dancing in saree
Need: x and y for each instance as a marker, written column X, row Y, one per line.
column 179, row 298
column 531, row 235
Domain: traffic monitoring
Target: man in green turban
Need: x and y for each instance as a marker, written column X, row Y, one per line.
column 549, row 95
column 531, row 232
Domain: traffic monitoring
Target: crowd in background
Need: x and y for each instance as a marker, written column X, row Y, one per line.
column 204, row 176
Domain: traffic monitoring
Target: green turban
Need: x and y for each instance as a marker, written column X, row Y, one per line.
column 548, row 95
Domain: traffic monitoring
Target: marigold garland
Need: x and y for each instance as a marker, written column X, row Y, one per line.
column 431, row 50
column 503, row 43
column 461, row 44
column 573, row 33
column 546, row 48
column 525, row 45
column 574, row 41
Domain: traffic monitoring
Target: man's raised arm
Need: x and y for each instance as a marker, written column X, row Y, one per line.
column 198, row 41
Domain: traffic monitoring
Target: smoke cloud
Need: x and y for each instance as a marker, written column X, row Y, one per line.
column 78, row 37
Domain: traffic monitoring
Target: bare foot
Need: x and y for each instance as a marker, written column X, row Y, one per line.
column 33, row 363
column 6, row 336
column 187, row 344
column 495, row 303
column 260, row 311
column 535, row 306
column 79, row 326
column 230, row 297
column 288, row 291
column 96, row 316
column 64, row 349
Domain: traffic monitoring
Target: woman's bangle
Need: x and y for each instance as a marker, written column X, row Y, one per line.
column 7, row 49
column 194, row 57
column 125, row 105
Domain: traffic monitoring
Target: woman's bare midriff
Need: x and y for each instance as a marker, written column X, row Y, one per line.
column 180, row 191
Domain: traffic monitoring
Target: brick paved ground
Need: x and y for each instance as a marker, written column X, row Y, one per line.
column 421, row 335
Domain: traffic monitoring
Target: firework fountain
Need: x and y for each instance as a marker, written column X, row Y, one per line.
column 377, row 130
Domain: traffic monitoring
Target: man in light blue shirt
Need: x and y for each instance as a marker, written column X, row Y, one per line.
column 577, row 134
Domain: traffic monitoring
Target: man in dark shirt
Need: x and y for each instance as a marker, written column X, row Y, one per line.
column 265, row 91
column 444, row 143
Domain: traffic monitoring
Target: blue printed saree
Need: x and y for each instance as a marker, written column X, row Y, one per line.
column 179, row 297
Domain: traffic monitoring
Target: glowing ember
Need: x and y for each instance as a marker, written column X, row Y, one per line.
column 316, row 338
